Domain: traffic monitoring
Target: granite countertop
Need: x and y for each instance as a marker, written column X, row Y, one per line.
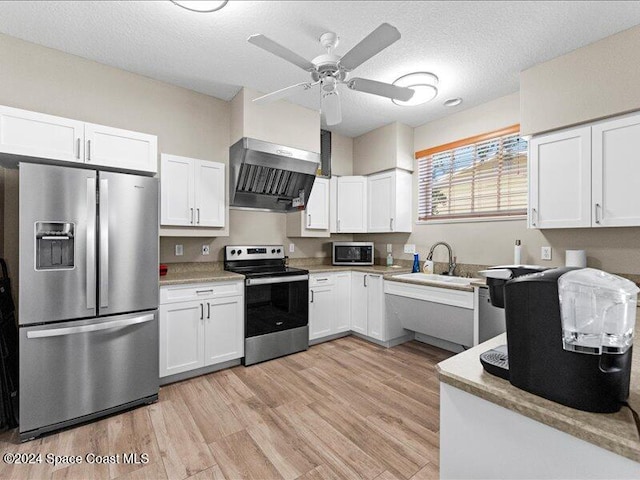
column 376, row 269
column 183, row 275
column 612, row 431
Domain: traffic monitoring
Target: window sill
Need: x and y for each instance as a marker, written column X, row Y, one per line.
column 472, row 220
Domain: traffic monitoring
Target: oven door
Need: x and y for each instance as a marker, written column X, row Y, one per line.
column 274, row 304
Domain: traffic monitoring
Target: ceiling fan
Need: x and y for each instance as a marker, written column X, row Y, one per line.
column 330, row 70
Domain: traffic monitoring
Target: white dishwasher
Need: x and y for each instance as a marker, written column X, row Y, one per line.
column 491, row 319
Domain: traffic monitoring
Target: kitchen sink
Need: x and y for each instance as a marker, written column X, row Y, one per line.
column 433, row 278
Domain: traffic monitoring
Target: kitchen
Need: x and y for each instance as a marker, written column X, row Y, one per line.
column 199, row 126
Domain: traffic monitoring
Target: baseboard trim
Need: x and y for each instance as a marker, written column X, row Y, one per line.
column 178, row 377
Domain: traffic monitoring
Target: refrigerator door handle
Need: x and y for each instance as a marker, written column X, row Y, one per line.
column 91, row 244
column 56, row 332
column 104, row 243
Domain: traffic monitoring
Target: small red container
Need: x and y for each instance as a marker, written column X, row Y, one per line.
column 163, row 269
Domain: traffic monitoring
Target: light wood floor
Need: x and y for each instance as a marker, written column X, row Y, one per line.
column 343, row 409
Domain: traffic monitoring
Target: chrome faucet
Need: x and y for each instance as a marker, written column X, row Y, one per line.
column 452, row 259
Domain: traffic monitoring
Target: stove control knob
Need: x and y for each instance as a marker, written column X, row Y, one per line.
column 278, row 250
column 273, row 251
column 233, row 252
column 239, row 252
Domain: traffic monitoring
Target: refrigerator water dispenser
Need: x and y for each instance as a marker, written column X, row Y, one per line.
column 54, row 245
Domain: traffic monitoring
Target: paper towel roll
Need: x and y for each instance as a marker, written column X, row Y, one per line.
column 576, row 258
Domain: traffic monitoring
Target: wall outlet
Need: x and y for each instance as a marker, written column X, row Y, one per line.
column 292, row 247
column 389, row 248
column 409, row 248
column 179, row 250
column 205, row 249
column 545, row 253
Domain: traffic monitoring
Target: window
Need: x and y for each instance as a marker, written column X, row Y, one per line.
column 485, row 176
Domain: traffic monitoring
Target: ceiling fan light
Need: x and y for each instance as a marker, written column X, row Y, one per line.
column 201, row 6
column 422, row 83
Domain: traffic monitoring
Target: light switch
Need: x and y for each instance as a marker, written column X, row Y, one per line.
column 389, row 248
column 179, row 250
column 292, row 247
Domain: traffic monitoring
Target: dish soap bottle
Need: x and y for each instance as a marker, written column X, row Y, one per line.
column 416, row 263
column 389, row 260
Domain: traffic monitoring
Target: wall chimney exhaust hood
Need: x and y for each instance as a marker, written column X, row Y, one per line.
column 270, row 177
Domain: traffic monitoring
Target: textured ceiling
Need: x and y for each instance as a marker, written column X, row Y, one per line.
column 476, row 48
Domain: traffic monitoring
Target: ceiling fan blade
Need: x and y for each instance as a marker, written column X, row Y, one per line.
column 282, row 93
column 380, row 88
column 371, row 45
column 278, row 50
column 330, row 106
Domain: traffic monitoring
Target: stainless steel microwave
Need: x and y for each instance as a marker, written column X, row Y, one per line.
column 352, row 253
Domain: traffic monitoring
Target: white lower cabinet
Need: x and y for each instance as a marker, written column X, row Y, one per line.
column 343, row 302
column 329, row 304
column 181, row 338
column 200, row 325
column 224, row 330
column 367, row 305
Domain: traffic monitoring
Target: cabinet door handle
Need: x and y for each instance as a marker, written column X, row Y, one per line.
column 311, row 301
column 534, row 214
column 598, row 208
column 198, row 212
column 338, row 224
column 391, row 224
column 309, row 220
column 321, row 279
column 78, row 147
column 88, row 150
column 204, row 291
column 201, row 311
column 208, row 310
column 191, row 215
column 365, row 280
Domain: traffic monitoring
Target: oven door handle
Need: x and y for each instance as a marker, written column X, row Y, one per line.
column 269, row 280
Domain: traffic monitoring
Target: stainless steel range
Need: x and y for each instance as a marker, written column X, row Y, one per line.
column 276, row 309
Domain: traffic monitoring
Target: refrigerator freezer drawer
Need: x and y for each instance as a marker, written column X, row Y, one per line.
column 74, row 369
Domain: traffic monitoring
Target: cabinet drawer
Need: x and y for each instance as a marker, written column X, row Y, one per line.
column 184, row 293
column 321, row 279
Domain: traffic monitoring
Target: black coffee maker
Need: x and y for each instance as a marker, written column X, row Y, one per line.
column 569, row 335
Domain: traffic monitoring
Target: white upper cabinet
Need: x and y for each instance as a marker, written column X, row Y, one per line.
column 120, row 149
column 192, row 192
column 586, row 176
column 317, row 211
column 177, row 202
column 209, row 194
column 41, row 136
column 46, row 137
column 389, row 202
column 560, row 179
column 616, row 172
column 351, row 205
column 313, row 221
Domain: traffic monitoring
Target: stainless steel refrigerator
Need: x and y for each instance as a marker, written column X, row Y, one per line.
column 88, row 295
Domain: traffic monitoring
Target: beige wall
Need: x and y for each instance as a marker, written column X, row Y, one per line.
column 249, row 227
column 384, row 148
column 491, row 243
column 341, row 155
column 186, row 123
column 592, row 82
column 279, row 122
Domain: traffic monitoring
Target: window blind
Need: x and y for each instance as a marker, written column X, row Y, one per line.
column 483, row 179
